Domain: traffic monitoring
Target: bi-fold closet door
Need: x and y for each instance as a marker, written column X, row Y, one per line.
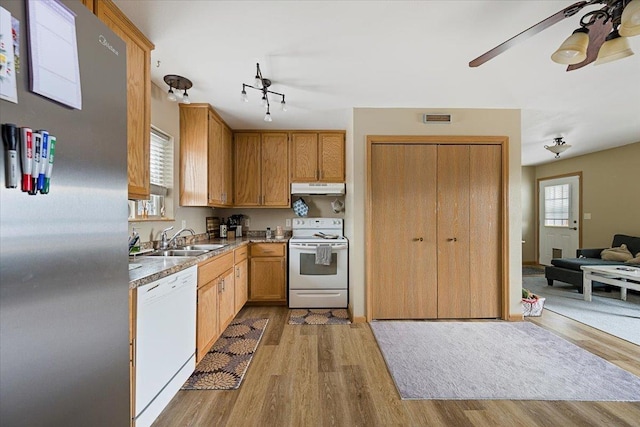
column 435, row 231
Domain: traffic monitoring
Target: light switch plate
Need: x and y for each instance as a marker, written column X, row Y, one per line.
column 184, row 223
column 287, row 222
column 587, row 216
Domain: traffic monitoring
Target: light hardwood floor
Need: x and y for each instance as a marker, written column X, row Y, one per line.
column 336, row 376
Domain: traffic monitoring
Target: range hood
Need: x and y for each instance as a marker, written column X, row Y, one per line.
column 318, row 188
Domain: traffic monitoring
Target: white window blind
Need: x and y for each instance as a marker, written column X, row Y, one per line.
column 161, row 162
column 556, row 205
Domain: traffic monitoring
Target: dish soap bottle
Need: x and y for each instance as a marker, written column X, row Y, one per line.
column 268, row 234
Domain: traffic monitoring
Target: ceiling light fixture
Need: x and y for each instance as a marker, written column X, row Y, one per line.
column 178, row 83
column 263, row 85
column 622, row 16
column 558, row 147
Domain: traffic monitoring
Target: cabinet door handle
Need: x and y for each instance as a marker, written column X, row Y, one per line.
column 418, row 239
column 452, row 239
column 133, row 352
column 317, row 174
column 237, row 271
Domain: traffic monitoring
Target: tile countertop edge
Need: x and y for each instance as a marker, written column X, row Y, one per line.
column 154, row 268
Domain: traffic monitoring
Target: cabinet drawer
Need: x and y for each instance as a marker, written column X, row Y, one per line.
column 241, row 253
column 209, row 270
column 267, row 249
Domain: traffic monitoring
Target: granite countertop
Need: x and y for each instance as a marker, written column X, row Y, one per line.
column 152, row 268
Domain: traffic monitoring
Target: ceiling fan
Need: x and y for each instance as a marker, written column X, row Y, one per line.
column 601, row 36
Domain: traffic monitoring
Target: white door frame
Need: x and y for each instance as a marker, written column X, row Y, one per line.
column 576, row 214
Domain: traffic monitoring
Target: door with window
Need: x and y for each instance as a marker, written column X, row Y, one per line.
column 559, row 218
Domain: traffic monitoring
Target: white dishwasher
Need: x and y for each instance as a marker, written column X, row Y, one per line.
column 165, row 341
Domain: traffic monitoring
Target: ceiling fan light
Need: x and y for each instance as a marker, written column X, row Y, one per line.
column 630, row 24
column 614, row 48
column 574, row 49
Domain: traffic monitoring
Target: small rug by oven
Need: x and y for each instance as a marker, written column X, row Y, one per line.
column 496, row 360
column 224, row 366
column 318, row 316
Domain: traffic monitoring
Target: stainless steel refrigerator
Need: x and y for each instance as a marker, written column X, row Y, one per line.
column 64, row 348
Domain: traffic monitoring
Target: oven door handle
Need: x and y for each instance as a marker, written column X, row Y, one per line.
column 313, row 248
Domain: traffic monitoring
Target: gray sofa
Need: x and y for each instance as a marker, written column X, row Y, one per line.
column 568, row 269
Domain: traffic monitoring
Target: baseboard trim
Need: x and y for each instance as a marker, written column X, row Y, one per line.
column 516, row 318
column 355, row 319
column 530, row 263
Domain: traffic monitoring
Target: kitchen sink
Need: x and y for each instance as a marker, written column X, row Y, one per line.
column 179, row 252
column 205, row 247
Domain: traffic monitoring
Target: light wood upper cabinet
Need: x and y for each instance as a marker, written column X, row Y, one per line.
column 260, row 170
column 331, row 153
column 304, row 157
column 205, row 157
column 276, row 191
column 138, row 93
column 227, row 167
column 317, row 157
column 247, row 169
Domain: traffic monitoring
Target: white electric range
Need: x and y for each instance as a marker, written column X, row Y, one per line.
column 313, row 284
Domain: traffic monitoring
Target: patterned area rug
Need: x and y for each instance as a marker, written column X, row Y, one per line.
column 318, row 316
column 224, row 366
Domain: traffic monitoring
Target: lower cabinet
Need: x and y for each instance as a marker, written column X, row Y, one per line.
column 215, row 301
column 268, row 278
column 241, row 280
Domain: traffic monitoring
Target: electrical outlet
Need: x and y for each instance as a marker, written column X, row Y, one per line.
column 248, row 223
column 184, row 223
column 287, row 222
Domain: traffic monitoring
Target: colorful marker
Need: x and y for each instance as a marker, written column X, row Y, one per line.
column 44, row 158
column 35, row 168
column 52, row 151
column 26, row 156
column 10, row 137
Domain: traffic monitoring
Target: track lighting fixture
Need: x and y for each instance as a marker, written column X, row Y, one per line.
column 263, row 85
column 558, row 147
column 178, row 83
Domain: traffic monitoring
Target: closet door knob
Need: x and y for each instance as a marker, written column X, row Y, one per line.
column 452, row 239
column 418, row 239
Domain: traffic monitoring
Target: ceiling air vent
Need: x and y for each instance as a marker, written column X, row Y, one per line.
column 436, row 118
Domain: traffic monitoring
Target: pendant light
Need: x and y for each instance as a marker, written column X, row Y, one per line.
column 178, row 83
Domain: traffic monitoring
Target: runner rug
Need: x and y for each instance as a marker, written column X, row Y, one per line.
column 496, row 360
column 318, row 316
column 225, row 365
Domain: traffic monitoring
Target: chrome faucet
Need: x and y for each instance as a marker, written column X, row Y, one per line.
column 166, row 243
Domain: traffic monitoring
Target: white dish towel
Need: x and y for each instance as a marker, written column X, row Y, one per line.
column 323, row 254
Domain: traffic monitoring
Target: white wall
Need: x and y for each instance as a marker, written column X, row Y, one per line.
column 408, row 121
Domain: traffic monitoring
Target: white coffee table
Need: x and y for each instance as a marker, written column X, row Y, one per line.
column 617, row 275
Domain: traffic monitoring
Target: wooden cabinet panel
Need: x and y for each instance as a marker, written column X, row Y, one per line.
column 260, row 171
column 274, row 173
column 267, row 279
column 241, row 283
column 453, row 231
column 304, row 157
column 405, row 267
column 317, row 157
column 227, row 167
column 331, row 153
column 138, row 94
column 215, row 163
column 204, row 157
column 485, row 174
column 214, row 267
column 194, row 149
column 226, row 299
column 267, row 275
column 207, row 318
column 247, row 169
